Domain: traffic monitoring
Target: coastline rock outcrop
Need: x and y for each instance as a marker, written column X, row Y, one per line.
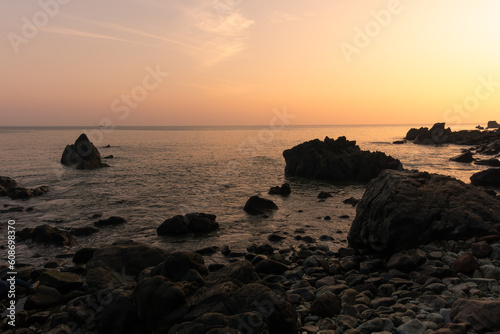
column 9, row 187
column 493, row 125
column 489, row 178
column 82, row 154
column 48, row 235
column 464, row 157
column 400, row 210
column 259, row 206
column 338, row 160
column 196, row 223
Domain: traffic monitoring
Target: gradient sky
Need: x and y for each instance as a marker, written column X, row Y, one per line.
column 231, row 62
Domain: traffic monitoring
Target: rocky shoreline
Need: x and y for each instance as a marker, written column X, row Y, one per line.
column 423, row 257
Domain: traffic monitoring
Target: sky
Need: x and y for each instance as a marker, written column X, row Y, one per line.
column 237, row 62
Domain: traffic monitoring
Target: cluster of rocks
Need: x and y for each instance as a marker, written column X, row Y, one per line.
column 9, row 187
column 82, row 154
column 338, row 160
column 441, row 287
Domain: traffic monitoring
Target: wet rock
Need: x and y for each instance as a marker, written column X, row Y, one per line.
column 197, row 223
column 111, row 221
column 83, row 255
column 466, row 157
column 182, row 266
column 376, row 325
column 414, row 326
column 46, row 234
column 83, row 231
column 284, row 190
column 324, row 195
column 82, row 154
column 481, row 314
column 401, row 210
column 489, row 178
column 9, row 187
column 336, row 160
column 259, row 206
column 465, row 263
column 488, row 162
column 401, row 262
column 351, row 200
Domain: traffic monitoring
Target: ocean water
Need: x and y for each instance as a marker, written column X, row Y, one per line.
column 159, row 172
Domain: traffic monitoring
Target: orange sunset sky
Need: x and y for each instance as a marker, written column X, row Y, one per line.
column 231, row 62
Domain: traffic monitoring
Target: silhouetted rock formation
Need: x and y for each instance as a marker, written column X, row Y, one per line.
column 488, row 162
column 82, row 154
column 284, row 190
column 259, row 206
column 464, row 157
column 493, row 125
column 48, row 235
column 191, row 223
column 9, row 187
column 438, row 134
column 489, row 178
column 401, row 210
column 113, row 220
column 338, row 160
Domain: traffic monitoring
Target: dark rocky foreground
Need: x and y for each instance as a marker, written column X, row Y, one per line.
column 82, row 154
column 9, row 187
column 338, row 160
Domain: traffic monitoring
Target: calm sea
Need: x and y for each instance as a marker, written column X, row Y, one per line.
column 159, row 172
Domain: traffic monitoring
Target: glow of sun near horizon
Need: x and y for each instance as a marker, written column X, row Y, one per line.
column 231, row 62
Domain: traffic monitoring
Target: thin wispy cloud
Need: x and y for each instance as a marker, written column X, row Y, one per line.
column 280, row 17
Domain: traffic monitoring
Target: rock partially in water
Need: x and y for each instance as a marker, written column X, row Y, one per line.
column 401, row 210
column 111, row 221
column 488, row 162
column 82, row 154
column 493, row 125
column 488, row 178
column 197, row 223
column 48, row 235
column 338, row 160
column 437, row 135
column 284, row 190
column 258, row 206
column 466, row 157
column 9, row 187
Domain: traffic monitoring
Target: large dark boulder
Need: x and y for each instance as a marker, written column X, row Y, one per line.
column 438, row 134
column 401, row 210
column 338, row 160
column 197, row 223
column 82, row 154
column 259, row 206
column 493, row 125
column 489, row 178
column 464, row 157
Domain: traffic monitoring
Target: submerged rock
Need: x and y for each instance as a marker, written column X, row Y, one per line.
column 9, row 187
column 338, row 160
column 191, row 223
column 82, row 154
column 489, row 178
column 401, row 210
column 258, row 206
column 284, row 190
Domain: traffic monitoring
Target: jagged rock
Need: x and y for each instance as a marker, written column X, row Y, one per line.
column 489, row 178
column 284, row 190
column 82, row 154
column 336, row 160
column 258, row 206
column 9, row 187
column 401, row 210
column 191, row 223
